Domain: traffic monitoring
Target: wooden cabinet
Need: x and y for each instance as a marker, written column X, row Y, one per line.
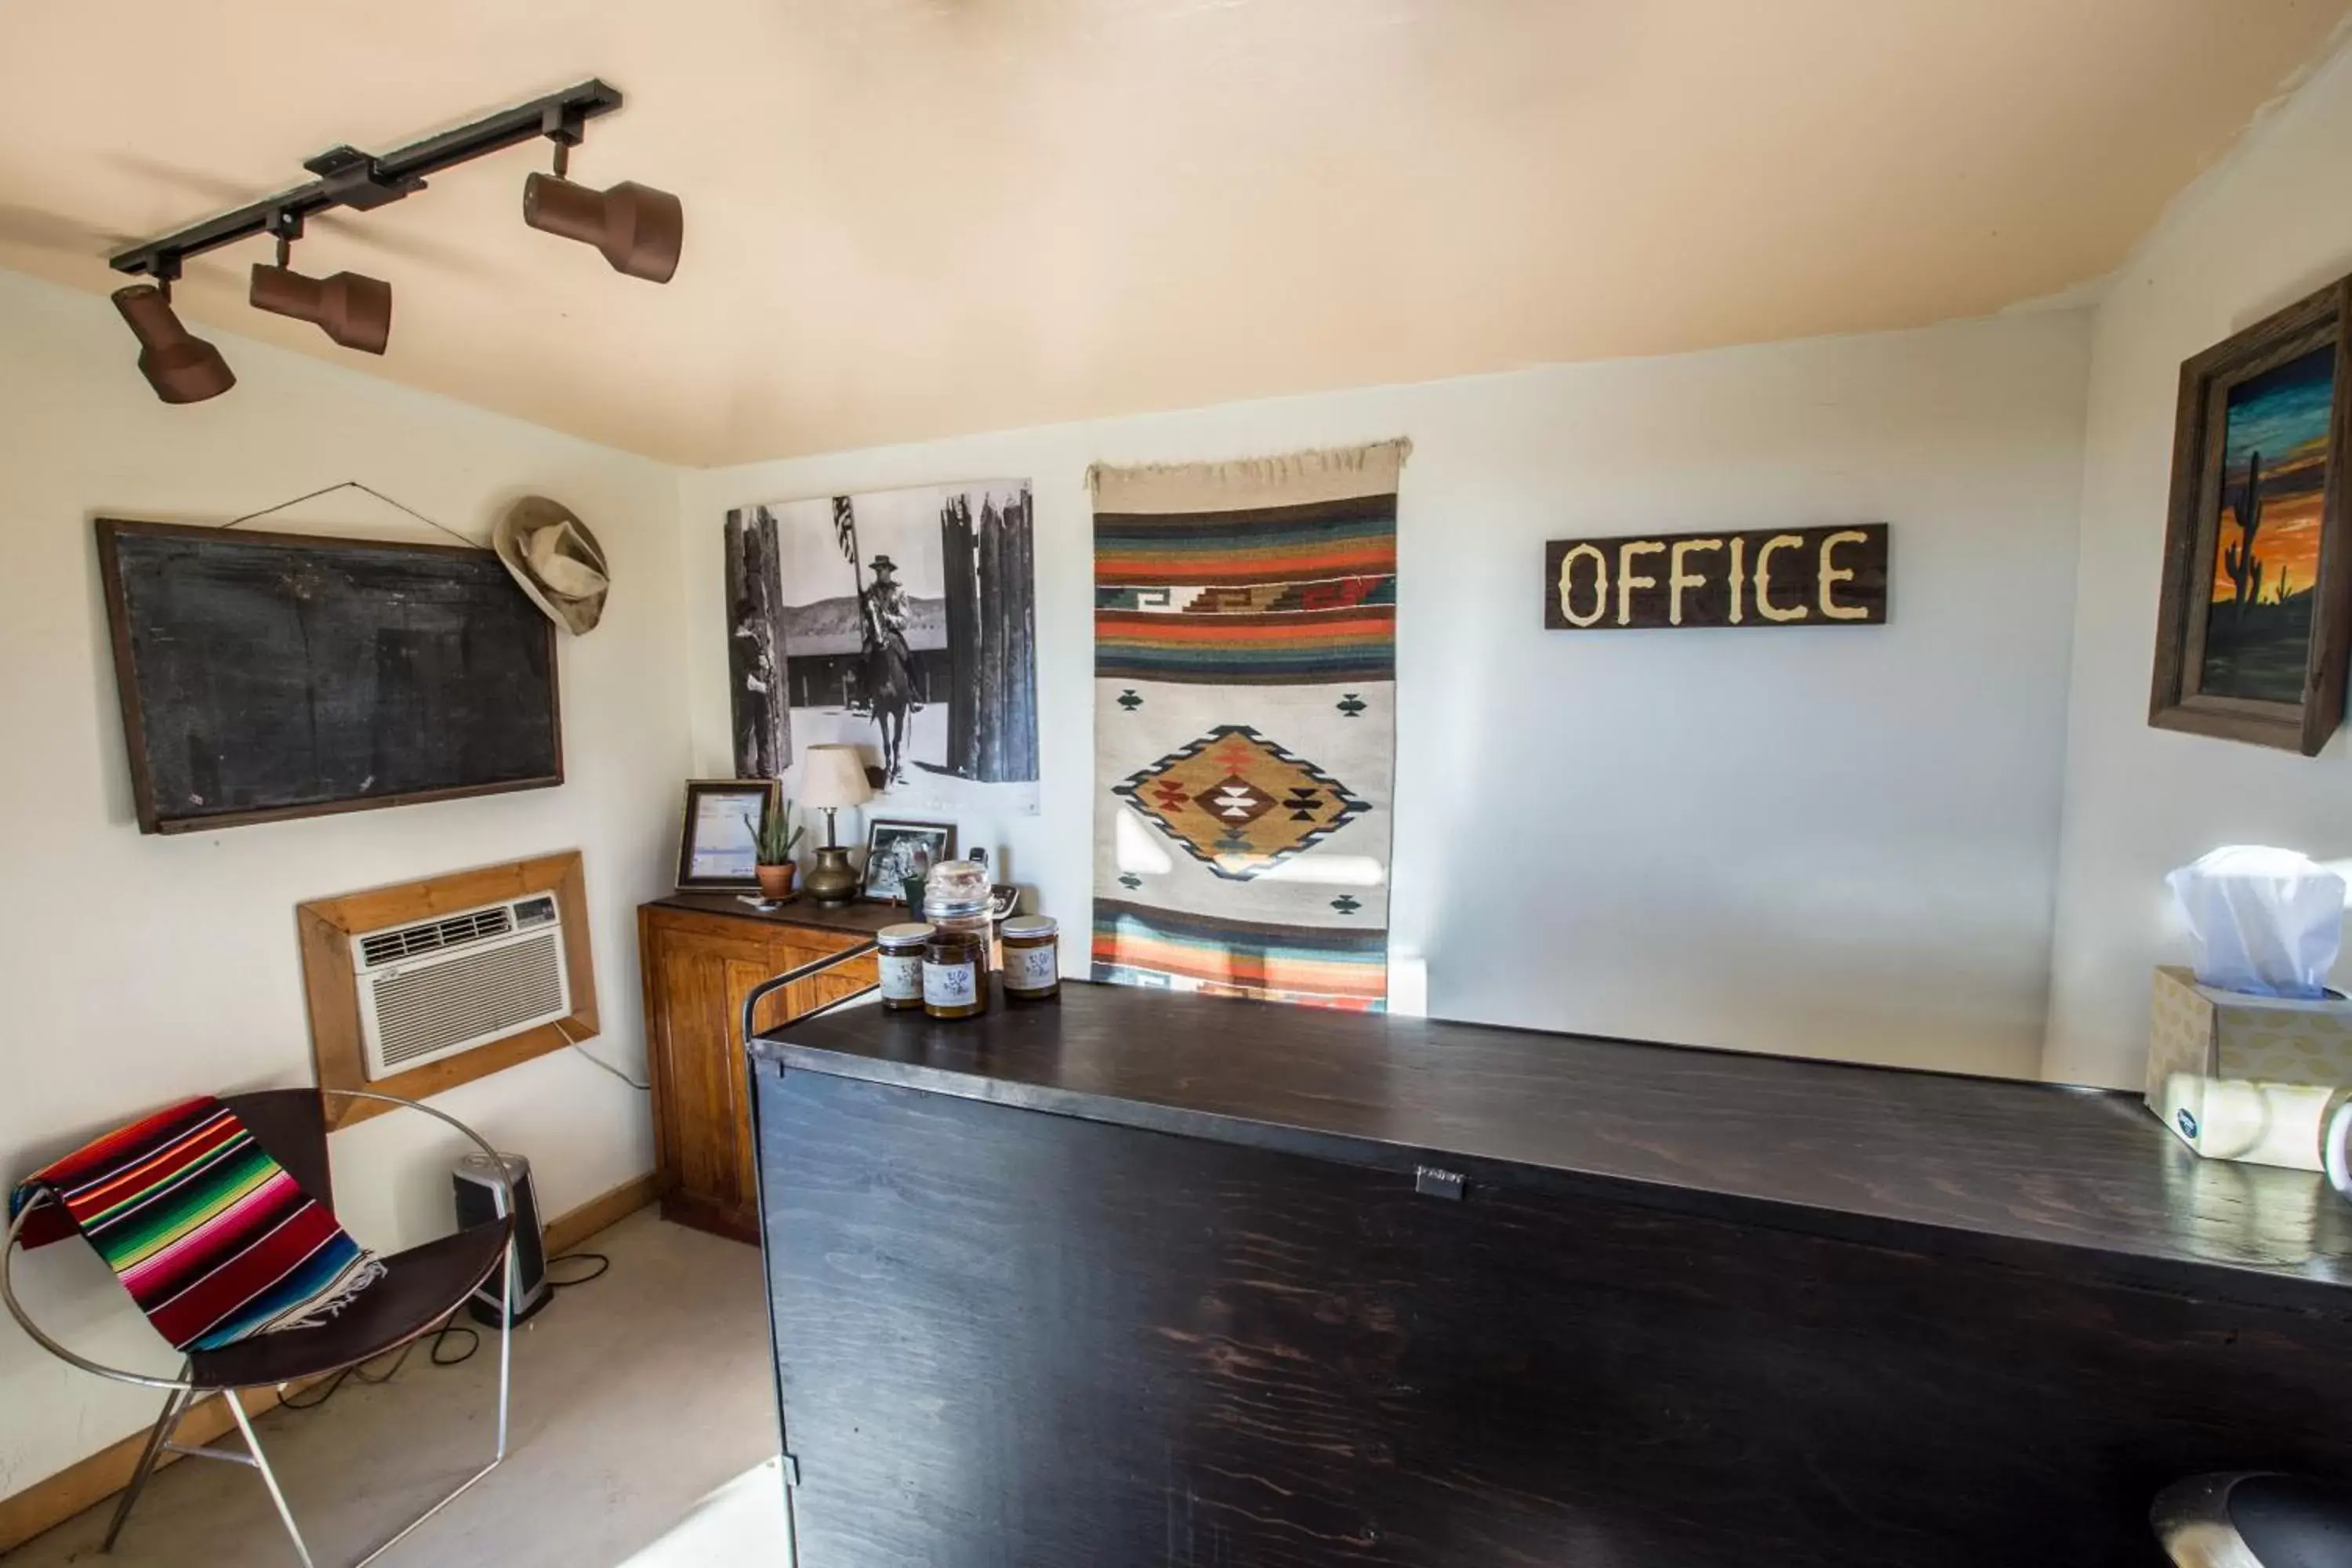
column 700, row 957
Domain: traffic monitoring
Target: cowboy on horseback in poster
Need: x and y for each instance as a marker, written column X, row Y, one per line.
column 886, row 673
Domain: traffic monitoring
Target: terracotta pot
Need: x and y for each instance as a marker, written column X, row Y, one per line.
column 776, row 881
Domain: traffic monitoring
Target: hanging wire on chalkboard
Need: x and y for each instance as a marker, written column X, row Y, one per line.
column 355, row 485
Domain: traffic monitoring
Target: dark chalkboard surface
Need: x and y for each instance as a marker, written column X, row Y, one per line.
column 275, row 675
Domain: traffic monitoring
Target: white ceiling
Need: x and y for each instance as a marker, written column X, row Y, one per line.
column 906, row 219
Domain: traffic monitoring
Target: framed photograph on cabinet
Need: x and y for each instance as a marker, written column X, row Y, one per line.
column 898, row 851
column 719, row 843
column 2254, row 624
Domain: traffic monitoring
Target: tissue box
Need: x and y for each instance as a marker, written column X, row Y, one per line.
column 2245, row 1078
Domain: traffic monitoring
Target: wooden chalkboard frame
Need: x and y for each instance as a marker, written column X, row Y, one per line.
column 151, row 817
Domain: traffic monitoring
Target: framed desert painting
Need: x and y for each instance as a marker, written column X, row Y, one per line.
column 2252, row 637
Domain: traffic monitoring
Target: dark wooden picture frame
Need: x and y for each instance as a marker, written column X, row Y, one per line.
column 313, row 553
column 2193, row 535
column 695, row 790
column 945, row 832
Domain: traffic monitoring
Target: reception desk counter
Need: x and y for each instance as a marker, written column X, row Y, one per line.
column 1140, row 1278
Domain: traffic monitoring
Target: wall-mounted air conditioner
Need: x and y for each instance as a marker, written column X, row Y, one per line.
column 436, row 987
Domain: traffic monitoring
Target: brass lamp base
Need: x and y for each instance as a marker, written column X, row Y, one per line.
column 832, row 879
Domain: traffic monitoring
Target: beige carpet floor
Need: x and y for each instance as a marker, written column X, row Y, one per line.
column 644, row 1437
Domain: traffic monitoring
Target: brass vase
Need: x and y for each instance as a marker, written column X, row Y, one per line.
column 832, row 879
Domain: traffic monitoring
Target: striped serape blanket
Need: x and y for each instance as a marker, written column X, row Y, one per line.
column 211, row 1236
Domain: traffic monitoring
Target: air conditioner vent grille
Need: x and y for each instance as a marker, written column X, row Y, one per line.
column 428, row 1010
column 432, row 936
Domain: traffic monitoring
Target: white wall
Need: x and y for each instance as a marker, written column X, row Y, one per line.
column 2269, row 226
column 1834, row 843
column 136, row 969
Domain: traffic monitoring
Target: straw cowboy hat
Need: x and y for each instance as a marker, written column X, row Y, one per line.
column 554, row 558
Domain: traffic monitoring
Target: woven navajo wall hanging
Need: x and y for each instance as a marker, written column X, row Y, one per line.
column 1245, row 725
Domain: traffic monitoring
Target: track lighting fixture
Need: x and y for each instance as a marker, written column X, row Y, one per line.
column 181, row 366
column 352, row 309
column 638, row 229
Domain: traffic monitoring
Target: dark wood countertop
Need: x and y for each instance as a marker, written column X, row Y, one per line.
column 861, row 919
column 2035, row 1175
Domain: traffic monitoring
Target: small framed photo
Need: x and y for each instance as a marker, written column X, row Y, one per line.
column 2256, row 618
column 718, row 844
column 898, row 851
column 1003, row 898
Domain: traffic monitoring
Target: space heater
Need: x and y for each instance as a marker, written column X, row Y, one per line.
column 481, row 1201
column 432, row 989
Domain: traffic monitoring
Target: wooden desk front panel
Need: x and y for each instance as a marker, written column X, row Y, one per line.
column 1014, row 1339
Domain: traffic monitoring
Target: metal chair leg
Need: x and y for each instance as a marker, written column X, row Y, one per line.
column 269, row 1475
column 174, row 1404
column 506, row 1360
column 506, row 1352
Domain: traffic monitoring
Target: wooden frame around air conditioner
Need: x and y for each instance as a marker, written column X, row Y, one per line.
column 326, row 926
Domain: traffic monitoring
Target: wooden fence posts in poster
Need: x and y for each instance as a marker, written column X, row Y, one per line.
column 755, row 646
column 992, row 632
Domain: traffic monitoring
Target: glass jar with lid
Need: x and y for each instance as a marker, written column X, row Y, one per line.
column 955, row 898
column 899, row 962
column 1032, row 958
column 955, row 973
column 955, row 962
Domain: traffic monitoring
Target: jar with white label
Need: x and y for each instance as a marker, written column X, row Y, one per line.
column 899, row 958
column 1033, row 949
column 955, row 973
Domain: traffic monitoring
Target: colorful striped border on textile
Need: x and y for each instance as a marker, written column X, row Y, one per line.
column 1267, row 594
column 1318, row 965
column 211, row 1236
column 1245, row 725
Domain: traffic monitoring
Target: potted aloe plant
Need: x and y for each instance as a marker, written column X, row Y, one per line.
column 774, row 841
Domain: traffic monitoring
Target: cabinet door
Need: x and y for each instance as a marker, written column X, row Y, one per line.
column 698, row 982
column 803, row 995
column 699, row 970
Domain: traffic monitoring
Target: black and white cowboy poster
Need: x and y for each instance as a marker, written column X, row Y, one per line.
column 901, row 621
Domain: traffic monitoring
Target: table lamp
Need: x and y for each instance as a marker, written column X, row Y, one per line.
column 831, row 778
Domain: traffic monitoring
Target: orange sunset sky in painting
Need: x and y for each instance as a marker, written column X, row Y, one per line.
column 2288, row 541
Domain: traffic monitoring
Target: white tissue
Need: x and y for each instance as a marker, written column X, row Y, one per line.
column 2265, row 921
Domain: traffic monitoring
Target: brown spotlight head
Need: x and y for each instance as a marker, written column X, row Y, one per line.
column 638, row 228
column 353, row 310
column 180, row 366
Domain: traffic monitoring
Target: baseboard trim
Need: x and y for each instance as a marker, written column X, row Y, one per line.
column 89, row 1482
column 570, row 1228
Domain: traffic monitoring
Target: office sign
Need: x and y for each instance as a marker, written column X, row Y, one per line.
column 1762, row 577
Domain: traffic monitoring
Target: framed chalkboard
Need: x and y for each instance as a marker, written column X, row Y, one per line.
column 266, row 676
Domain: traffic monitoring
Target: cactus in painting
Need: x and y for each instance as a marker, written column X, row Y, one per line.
column 2239, row 560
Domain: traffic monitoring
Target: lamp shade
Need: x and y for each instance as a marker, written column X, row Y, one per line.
column 833, row 776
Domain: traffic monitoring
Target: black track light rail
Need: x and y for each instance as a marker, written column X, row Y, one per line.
column 350, row 178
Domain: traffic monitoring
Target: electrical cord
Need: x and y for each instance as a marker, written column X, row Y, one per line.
column 603, row 1267
column 433, row 1341
column 600, row 1061
column 447, row 1328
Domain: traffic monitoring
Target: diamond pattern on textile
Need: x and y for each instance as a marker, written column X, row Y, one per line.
column 1240, row 803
